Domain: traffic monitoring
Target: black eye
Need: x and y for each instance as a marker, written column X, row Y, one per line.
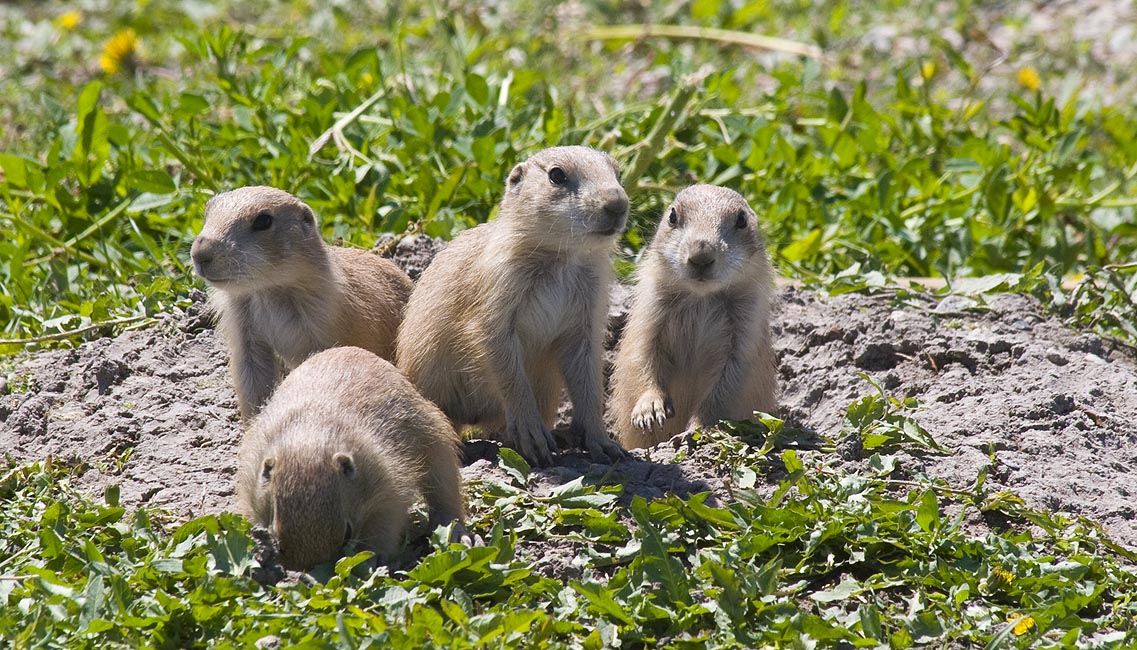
column 742, row 221
column 673, row 217
column 266, row 470
column 263, row 221
column 557, row 176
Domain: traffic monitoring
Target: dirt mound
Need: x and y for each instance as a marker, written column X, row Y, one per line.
column 1052, row 412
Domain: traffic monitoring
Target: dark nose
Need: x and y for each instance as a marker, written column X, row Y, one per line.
column 615, row 202
column 701, row 255
column 201, row 252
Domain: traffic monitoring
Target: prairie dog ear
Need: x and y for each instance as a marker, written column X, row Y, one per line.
column 266, row 469
column 306, row 215
column 346, row 464
column 616, row 168
column 515, row 178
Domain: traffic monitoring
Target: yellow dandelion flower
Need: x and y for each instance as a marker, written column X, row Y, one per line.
column 69, row 21
column 928, row 70
column 1022, row 625
column 1002, row 574
column 119, row 51
column 1029, row 79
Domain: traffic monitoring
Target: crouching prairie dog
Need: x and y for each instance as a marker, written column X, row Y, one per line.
column 281, row 293
column 696, row 348
column 340, row 452
column 514, row 310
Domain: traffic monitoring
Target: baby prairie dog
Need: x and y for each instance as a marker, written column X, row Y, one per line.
column 340, row 452
column 696, row 348
column 283, row 294
column 514, row 310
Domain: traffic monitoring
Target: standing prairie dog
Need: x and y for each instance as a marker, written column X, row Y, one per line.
column 283, row 294
column 340, row 452
column 514, row 310
column 696, row 348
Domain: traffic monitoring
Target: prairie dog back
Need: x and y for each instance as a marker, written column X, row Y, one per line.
column 696, row 348
column 514, row 310
column 340, row 453
column 281, row 293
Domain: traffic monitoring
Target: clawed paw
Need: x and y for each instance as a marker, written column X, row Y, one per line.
column 604, row 449
column 652, row 411
column 534, row 441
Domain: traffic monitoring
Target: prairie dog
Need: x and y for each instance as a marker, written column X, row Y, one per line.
column 340, row 452
column 514, row 310
column 696, row 348
column 282, row 294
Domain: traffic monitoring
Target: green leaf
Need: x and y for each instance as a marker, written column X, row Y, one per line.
column 803, row 248
column 601, row 598
column 87, row 102
column 146, row 202
column 869, row 615
column 154, row 181
column 50, row 544
column 514, row 465
column 111, row 494
column 790, row 460
column 655, row 558
column 15, row 170
column 928, row 513
column 477, row 88
column 848, row 587
column 93, row 598
column 345, row 565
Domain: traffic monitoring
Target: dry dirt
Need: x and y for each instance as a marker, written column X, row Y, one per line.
column 153, row 410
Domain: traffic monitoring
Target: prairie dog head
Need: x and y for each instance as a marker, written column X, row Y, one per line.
column 567, row 193
column 709, row 238
column 308, row 492
column 254, row 238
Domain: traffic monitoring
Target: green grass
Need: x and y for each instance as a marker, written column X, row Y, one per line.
column 827, row 560
column 907, row 164
column 920, row 160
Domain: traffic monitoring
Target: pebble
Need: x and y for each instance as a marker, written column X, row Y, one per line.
column 1055, row 357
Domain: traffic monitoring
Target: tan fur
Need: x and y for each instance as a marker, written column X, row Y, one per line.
column 697, row 347
column 514, row 310
column 283, row 294
column 345, row 441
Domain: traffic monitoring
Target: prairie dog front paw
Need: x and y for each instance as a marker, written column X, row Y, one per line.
column 652, row 411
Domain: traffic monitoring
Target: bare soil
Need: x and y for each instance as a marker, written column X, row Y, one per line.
column 153, row 410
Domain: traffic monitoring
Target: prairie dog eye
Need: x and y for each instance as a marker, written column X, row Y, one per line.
column 673, row 218
column 263, row 221
column 741, row 221
column 557, row 176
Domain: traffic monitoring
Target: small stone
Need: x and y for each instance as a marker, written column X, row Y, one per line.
column 109, row 372
column 955, row 304
column 270, row 642
column 1055, row 357
column 1062, row 404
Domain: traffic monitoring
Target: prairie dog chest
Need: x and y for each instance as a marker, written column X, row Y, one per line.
column 695, row 333
column 561, row 296
column 294, row 324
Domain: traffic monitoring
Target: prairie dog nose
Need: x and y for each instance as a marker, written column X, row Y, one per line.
column 701, row 254
column 615, row 202
column 201, row 252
